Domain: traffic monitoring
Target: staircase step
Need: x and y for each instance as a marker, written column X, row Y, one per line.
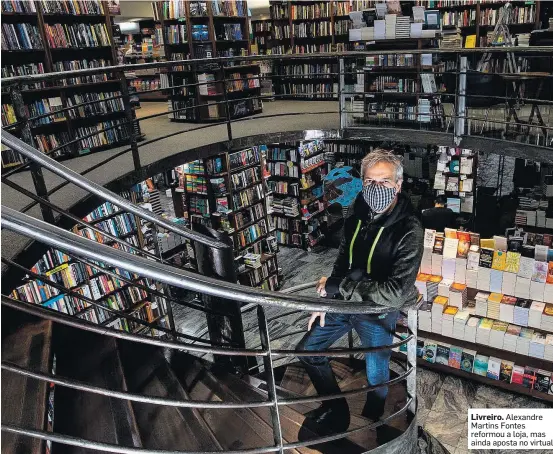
column 235, row 428
column 161, row 427
column 93, row 359
column 341, row 371
column 27, row 343
column 365, row 438
column 291, row 420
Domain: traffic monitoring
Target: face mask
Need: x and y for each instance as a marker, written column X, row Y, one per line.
column 378, row 197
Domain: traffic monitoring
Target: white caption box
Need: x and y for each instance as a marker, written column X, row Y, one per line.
column 505, row 429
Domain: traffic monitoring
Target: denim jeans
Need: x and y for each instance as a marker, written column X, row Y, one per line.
column 373, row 332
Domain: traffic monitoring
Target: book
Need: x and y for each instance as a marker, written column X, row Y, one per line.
column 486, row 257
column 442, row 353
column 467, row 360
column 543, row 381
column 470, row 42
column 481, row 365
column 517, row 375
column 455, row 356
column 506, row 370
column 499, row 260
column 494, row 367
column 429, row 351
column 464, row 244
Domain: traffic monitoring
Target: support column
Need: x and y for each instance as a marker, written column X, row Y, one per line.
column 227, row 328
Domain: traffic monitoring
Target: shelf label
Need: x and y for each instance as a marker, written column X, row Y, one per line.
column 505, row 429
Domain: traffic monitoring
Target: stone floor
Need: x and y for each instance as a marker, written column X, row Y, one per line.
column 443, row 400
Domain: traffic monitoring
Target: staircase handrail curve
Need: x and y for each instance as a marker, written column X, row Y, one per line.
column 94, row 188
column 75, row 322
column 79, row 246
column 107, row 447
column 34, row 78
column 56, row 379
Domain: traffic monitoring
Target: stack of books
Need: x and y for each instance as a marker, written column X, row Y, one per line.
column 403, row 28
column 548, row 351
column 507, row 309
column 458, row 295
column 497, row 334
column 483, row 331
column 390, row 26
column 522, row 310
column 547, row 318
column 535, row 314
column 438, row 307
column 471, row 329
column 523, row 341
column 425, row 317
column 494, row 301
column 460, row 322
column 481, row 307
column 537, row 345
column 448, row 317
column 511, row 336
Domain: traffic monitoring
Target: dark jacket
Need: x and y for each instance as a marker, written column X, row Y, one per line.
column 396, row 256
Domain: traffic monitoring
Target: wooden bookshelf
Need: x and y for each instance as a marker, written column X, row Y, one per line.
column 99, row 49
column 237, row 206
column 302, row 188
column 94, row 283
column 471, row 17
column 514, row 388
column 207, row 29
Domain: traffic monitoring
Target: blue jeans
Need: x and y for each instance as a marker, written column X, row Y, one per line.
column 373, row 332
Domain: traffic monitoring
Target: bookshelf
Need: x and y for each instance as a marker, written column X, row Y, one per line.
column 116, row 288
column 208, row 29
column 294, row 176
column 230, row 189
column 479, row 18
column 144, row 47
column 261, row 33
column 45, row 36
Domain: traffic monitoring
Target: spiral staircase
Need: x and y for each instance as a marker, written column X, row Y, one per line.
column 95, row 360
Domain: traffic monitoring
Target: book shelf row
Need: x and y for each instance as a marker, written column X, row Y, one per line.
column 203, row 30
column 62, row 36
column 120, row 291
column 233, row 201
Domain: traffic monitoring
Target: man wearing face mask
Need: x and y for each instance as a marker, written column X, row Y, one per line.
column 378, row 260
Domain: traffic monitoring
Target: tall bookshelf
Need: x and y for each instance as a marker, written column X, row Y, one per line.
column 479, row 18
column 294, row 176
column 203, row 30
column 230, row 190
column 116, row 291
column 40, row 37
column 146, row 46
column 261, row 34
column 300, row 27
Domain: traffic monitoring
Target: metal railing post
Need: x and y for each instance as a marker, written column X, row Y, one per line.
column 412, row 323
column 270, row 376
column 129, row 116
column 22, row 116
column 459, row 125
column 227, row 109
column 341, row 96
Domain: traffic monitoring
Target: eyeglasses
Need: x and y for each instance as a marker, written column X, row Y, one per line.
column 386, row 183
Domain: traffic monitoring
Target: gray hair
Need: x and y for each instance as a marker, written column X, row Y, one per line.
column 382, row 155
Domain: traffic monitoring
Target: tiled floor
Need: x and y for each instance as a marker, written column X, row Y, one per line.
column 443, row 400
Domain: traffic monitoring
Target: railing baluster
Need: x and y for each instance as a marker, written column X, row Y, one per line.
column 22, row 116
column 130, row 120
column 270, row 376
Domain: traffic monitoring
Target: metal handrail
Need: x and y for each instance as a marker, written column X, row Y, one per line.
column 32, row 78
column 83, row 247
column 94, row 188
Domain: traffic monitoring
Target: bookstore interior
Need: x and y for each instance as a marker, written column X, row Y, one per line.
column 485, row 282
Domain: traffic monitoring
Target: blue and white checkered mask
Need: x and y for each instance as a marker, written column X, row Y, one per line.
column 378, row 197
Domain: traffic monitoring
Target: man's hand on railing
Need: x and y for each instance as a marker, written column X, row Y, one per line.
column 314, row 316
column 321, row 286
